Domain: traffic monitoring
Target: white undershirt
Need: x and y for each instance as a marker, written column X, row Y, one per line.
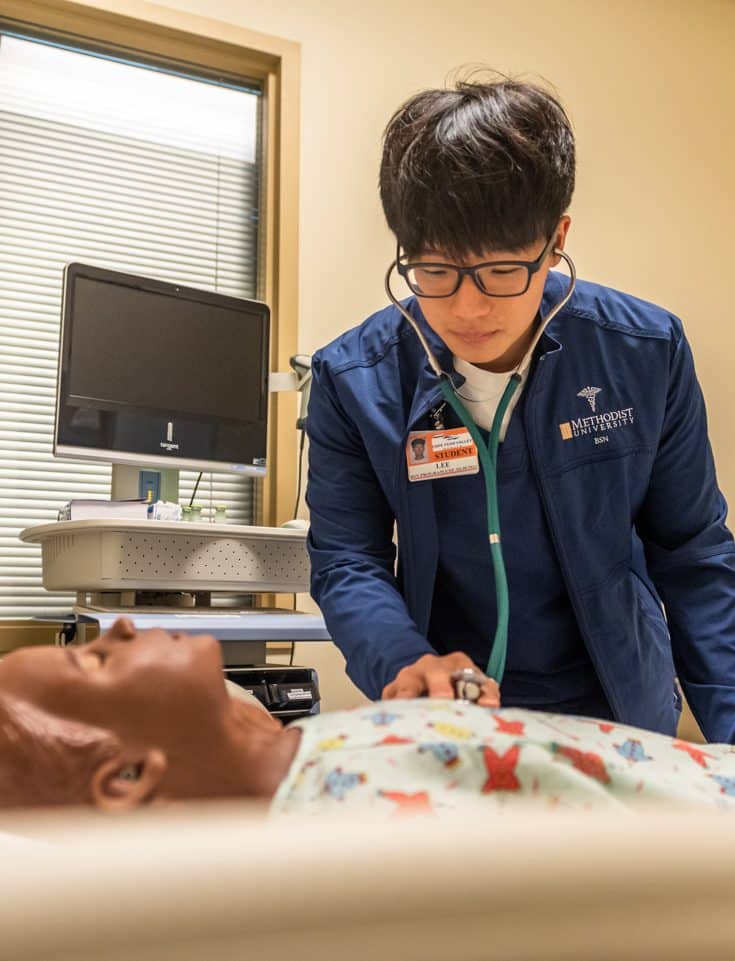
column 482, row 390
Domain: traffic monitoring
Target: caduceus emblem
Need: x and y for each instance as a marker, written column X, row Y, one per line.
column 590, row 395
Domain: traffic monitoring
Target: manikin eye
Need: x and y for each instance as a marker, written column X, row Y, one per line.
column 91, row 659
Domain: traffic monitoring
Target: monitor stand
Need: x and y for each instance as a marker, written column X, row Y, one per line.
column 128, row 482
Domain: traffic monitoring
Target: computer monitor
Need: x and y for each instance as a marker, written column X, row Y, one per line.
column 161, row 375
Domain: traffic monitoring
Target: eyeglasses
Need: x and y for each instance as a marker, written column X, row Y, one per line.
column 496, row 278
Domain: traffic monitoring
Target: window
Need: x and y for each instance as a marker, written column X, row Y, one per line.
column 122, row 165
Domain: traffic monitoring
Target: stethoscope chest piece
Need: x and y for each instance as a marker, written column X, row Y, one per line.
column 467, row 684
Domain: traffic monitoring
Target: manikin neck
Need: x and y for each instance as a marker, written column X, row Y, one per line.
column 262, row 749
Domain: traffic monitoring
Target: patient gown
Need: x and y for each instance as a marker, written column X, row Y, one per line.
column 428, row 757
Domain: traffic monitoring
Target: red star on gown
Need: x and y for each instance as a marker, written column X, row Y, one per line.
column 694, row 753
column 501, row 770
column 395, row 739
column 409, row 804
column 585, row 761
column 508, row 727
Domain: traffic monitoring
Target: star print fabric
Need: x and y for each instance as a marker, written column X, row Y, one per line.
column 428, row 757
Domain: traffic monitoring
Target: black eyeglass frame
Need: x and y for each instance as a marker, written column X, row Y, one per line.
column 532, row 267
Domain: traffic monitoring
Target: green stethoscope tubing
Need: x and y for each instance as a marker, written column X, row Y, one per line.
column 488, row 454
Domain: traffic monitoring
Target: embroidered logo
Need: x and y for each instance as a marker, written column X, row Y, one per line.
column 598, row 424
column 169, row 444
column 590, row 395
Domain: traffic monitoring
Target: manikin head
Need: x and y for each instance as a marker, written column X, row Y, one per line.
column 127, row 719
column 480, row 173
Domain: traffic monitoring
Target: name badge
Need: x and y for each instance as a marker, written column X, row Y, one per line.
column 440, row 453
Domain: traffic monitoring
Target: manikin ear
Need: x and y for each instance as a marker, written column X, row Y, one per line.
column 121, row 784
column 560, row 239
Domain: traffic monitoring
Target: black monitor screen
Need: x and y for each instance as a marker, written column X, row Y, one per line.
column 161, row 370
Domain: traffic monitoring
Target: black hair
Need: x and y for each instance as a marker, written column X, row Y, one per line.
column 480, row 167
column 418, row 440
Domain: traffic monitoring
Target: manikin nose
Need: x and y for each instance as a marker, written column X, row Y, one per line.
column 122, row 629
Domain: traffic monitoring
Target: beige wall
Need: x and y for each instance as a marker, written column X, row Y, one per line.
column 649, row 85
column 650, row 88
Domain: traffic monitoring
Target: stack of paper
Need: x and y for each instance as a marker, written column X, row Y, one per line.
column 82, row 510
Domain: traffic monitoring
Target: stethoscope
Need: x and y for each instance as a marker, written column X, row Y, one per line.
column 488, row 453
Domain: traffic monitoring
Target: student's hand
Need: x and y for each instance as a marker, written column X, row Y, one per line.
column 431, row 676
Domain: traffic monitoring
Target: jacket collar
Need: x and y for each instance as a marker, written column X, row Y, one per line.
column 427, row 392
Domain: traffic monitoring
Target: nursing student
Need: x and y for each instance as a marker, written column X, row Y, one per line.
column 620, row 568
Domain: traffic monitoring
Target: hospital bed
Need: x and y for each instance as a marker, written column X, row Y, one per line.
column 216, row 882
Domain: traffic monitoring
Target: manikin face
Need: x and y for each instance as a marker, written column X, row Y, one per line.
column 490, row 332
column 138, row 685
column 163, row 697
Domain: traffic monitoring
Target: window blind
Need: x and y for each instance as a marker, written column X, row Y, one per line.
column 177, row 200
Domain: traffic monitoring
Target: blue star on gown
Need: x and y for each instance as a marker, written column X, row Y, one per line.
column 338, row 782
column 381, row 718
column 727, row 784
column 444, row 751
column 632, row 750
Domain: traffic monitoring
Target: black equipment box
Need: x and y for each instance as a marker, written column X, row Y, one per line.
column 287, row 692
